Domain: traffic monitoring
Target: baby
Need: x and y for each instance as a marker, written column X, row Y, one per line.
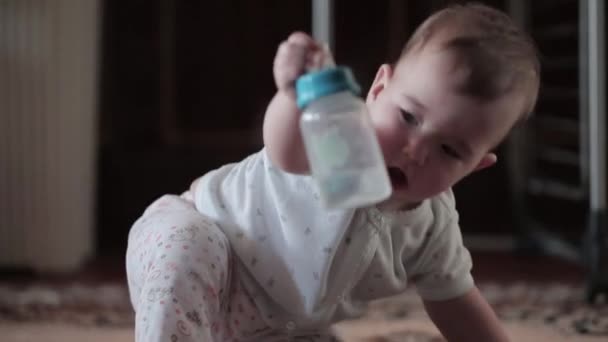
column 250, row 254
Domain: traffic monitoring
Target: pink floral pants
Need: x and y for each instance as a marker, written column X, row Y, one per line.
column 182, row 280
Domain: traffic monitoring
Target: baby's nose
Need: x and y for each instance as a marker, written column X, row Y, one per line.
column 416, row 152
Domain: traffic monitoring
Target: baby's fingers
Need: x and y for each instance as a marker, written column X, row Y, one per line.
column 289, row 64
column 304, row 40
column 292, row 58
column 289, row 53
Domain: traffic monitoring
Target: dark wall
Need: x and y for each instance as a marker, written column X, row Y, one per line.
column 185, row 85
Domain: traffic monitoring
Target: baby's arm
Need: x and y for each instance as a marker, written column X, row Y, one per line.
column 281, row 123
column 466, row 318
column 282, row 135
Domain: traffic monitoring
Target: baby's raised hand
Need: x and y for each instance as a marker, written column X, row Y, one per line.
column 294, row 57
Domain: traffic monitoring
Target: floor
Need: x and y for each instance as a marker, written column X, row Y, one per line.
column 488, row 266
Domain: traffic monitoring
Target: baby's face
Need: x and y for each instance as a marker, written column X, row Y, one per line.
column 431, row 135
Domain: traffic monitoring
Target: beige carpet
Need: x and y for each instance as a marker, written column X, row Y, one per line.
column 530, row 313
column 422, row 330
column 370, row 331
column 102, row 313
column 61, row 332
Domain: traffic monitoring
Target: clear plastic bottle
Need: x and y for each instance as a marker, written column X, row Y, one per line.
column 341, row 145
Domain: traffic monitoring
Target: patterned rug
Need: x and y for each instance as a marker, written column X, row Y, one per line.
column 530, row 313
column 547, row 310
column 105, row 305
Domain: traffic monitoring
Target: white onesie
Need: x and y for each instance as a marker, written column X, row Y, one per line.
column 304, row 267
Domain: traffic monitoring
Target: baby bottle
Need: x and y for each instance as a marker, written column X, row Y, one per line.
column 341, row 146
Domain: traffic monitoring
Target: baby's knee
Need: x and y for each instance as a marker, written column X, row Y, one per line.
column 163, row 217
column 200, row 238
column 174, row 239
column 181, row 233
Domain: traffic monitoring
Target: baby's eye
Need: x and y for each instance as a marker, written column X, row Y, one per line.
column 450, row 151
column 408, row 117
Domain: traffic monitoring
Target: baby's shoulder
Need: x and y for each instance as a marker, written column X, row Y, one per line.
column 440, row 210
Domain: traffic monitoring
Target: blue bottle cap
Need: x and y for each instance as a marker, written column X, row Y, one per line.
column 314, row 85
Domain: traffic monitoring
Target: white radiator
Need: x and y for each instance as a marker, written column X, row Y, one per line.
column 48, row 91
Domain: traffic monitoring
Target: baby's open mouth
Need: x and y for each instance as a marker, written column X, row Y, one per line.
column 398, row 178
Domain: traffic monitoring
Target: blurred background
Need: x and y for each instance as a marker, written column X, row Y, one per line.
column 106, row 105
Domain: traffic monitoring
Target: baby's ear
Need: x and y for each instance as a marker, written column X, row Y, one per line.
column 385, row 72
column 488, row 160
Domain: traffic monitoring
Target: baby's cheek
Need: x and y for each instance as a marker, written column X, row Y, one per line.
column 431, row 182
column 391, row 143
column 390, row 135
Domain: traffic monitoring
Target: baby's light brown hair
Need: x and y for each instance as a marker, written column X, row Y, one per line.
column 499, row 56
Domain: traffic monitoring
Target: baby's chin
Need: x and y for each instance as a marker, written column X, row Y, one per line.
column 398, row 201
